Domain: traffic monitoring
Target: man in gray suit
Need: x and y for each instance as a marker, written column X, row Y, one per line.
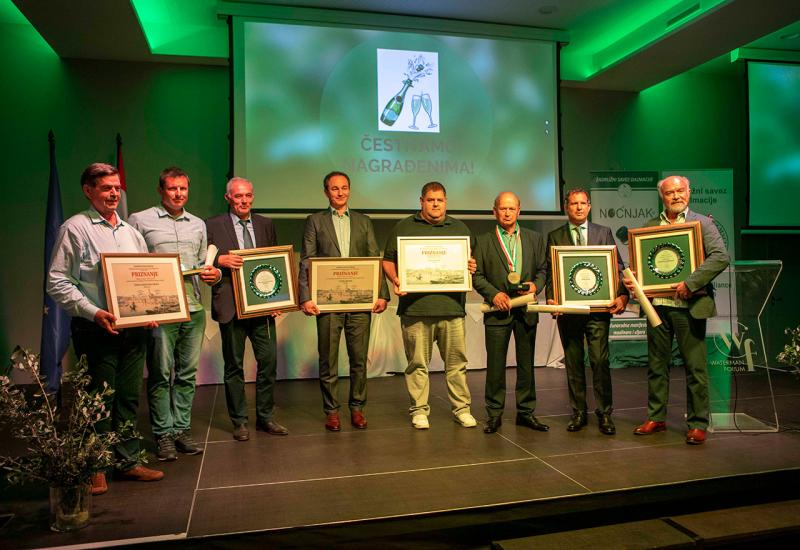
column 340, row 233
column 506, row 255
column 238, row 229
column 572, row 329
column 684, row 317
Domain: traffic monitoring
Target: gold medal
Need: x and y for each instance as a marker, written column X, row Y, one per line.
column 514, row 278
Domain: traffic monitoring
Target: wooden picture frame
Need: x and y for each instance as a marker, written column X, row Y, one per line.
column 585, row 276
column 142, row 288
column 665, row 255
column 344, row 284
column 433, row 264
column 266, row 282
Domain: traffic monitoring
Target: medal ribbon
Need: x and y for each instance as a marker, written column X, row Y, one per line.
column 511, row 259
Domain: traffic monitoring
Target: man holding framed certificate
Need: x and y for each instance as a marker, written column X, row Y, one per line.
column 430, row 316
column 594, row 328
column 510, row 262
column 236, row 230
column 339, row 232
column 115, row 356
column 684, row 317
column 173, row 351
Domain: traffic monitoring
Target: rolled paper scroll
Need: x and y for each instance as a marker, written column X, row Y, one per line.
column 555, row 308
column 517, row 301
column 211, row 253
column 644, row 303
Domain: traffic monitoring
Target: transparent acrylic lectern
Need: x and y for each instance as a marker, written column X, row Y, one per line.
column 741, row 394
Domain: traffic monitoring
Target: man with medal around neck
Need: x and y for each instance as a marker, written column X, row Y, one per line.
column 506, row 256
column 572, row 329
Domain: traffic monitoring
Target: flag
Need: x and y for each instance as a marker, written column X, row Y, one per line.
column 55, row 321
column 122, row 209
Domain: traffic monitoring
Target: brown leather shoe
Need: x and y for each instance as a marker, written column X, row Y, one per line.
column 650, row 427
column 140, row 473
column 332, row 422
column 358, row 420
column 695, row 436
column 99, row 485
column 241, row 433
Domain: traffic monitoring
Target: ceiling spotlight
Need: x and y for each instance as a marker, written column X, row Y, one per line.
column 792, row 36
column 548, row 9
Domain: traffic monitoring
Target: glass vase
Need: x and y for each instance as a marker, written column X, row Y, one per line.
column 70, row 507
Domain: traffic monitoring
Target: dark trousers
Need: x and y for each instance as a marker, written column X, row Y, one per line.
column 594, row 328
column 356, row 328
column 690, row 333
column 497, row 339
column 261, row 332
column 117, row 360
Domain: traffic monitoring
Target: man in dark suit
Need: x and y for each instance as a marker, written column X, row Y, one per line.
column 506, row 255
column 238, row 229
column 683, row 317
column 593, row 327
column 340, row 232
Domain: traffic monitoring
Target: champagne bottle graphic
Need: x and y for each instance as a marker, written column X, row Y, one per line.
column 417, row 68
column 394, row 107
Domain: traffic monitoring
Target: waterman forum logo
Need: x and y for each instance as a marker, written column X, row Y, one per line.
column 408, row 91
column 738, row 350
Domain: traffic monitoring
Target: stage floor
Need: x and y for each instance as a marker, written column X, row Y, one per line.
column 390, row 470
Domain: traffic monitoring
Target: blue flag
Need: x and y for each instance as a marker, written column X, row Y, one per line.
column 55, row 321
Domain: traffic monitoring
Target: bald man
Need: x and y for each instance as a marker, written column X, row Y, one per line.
column 510, row 261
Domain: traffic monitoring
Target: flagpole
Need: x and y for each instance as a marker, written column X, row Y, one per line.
column 55, row 321
column 122, row 208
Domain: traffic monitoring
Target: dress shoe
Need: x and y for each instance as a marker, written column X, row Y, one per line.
column 186, row 444
column 530, row 421
column 140, row 473
column 165, row 448
column 606, row 425
column 358, row 420
column 695, row 436
column 99, row 485
column 272, row 428
column 650, row 427
column 332, row 422
column 492, row 424
column 577, row 421
column 241, row 433
column 420, row 422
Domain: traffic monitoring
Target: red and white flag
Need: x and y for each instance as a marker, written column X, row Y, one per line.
column 122, row 209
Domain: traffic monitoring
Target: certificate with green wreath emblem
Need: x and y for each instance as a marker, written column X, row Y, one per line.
column 266, row 282
column 664, row 255
column 585, row 276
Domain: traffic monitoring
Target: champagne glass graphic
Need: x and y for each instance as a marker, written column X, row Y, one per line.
column 427, row 104
column 416, row 101
column 417, row 68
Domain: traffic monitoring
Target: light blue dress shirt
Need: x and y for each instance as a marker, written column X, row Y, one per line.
column 74, row 279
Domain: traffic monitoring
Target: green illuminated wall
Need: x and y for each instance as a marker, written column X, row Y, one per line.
column 167, row 114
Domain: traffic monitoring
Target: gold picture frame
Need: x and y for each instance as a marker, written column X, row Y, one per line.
column 664, row 255
column 344, row 284
column 585, row 276
column 266, row 282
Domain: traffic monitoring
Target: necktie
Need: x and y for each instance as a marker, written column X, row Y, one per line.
column 246, row 239
column 579, row 236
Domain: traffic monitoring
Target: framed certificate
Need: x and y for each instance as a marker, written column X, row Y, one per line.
column 585, row 276
column 266, row 282
column 141, row 288
column 345, row 284
column 664, row 255
column 433, row 264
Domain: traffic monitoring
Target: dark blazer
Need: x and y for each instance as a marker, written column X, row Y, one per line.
column 319, row 241
column 596, row 235
column 222, row 234
column 490, row 277
column 716, row 260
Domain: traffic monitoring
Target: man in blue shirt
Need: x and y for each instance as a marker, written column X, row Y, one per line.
column 175, row 348
column 75, row 282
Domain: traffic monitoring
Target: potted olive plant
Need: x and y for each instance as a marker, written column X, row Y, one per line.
column 63, row 448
